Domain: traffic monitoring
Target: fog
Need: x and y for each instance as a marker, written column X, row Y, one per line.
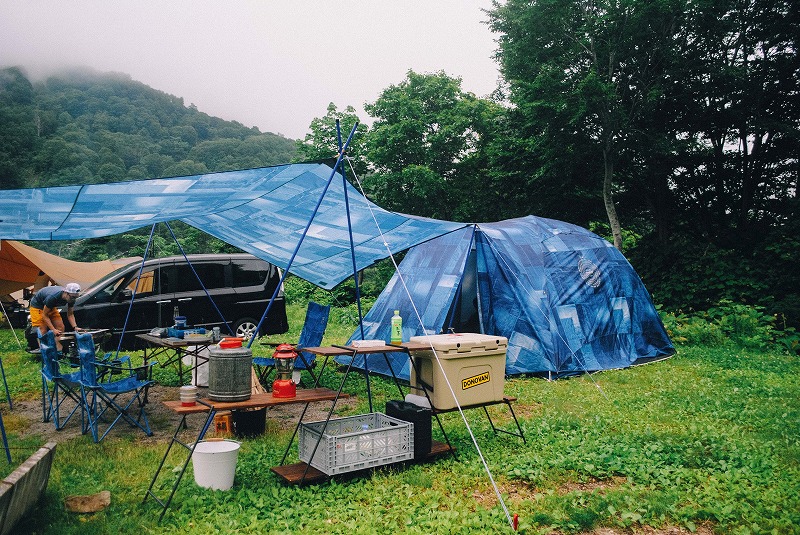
column 272, row 64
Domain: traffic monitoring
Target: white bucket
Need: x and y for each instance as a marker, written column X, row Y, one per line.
column 215, row 463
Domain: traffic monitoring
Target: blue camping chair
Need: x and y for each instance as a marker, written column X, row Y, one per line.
column 102, row 393
column 66, row 387
column 311, row 336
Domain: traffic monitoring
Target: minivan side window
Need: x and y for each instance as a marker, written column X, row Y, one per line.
column 249, row 273
column 105, row 294
column 212, row 274
column 147, row 284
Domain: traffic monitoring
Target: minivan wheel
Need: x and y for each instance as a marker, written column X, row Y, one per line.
column 245, row 327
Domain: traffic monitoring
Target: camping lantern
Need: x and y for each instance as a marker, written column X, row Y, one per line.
column 283, row 386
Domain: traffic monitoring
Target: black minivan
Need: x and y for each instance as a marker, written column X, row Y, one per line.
column 239, row 285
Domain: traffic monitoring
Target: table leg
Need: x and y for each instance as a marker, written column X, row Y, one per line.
column 190, row 447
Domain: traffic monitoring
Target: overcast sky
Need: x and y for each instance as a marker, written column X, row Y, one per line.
column 272, row 64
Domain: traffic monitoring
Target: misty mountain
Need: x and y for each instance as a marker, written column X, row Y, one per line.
column 80, row 127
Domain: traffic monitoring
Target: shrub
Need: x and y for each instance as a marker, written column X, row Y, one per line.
column 693, row 329
column 747, row 326
column 728, row 323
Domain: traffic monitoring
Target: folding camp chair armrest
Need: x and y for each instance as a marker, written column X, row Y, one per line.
column 276, row 344
column 122, row 366
column 142, row 372
column 108, row 359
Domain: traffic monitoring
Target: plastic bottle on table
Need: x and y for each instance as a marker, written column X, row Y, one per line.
column 397, row 328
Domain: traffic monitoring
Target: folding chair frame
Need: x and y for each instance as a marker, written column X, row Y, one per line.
column 64, row 387
column 100, row 397
column 310, row 335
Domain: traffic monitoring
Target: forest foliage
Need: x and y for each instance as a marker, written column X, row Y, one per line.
column 83, row 127
column 670, row 127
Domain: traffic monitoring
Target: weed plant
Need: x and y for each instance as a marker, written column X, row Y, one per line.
column 710, row 437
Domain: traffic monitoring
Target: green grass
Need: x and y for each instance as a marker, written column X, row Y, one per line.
column 710, row 437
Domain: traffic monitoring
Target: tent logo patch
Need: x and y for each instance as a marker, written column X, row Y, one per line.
column 589, row 271
column 475, row 380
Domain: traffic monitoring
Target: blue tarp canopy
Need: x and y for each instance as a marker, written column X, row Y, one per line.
column 261, row 211
column 567, row 300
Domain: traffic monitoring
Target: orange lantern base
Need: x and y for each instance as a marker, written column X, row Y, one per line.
column 284, row 388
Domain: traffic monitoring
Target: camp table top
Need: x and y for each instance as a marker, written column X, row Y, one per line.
column 256, row 401
column 174, row 349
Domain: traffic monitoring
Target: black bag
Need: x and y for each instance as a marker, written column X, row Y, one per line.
column 420, row 417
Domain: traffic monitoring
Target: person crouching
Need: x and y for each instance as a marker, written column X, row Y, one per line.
column 45, row 306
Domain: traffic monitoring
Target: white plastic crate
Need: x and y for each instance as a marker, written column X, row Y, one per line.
column 356, row 442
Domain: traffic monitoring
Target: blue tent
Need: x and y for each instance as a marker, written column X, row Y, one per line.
column 566, row 299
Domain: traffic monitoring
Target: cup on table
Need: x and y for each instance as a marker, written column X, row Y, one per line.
column 188, row 395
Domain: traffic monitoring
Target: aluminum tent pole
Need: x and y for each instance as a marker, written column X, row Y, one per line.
column 302, row 237
column 350, row 232
column 355, row 269
column 133, row 294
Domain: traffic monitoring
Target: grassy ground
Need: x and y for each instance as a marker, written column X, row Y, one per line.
column 708, row 440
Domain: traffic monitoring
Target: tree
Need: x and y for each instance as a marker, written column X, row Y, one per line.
column 735, row 101
column 581, row 75
column 428, row 148
column 321, row 142
column 18, row 134
column 186, row 168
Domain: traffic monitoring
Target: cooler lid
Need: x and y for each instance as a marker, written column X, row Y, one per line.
column 463, row 342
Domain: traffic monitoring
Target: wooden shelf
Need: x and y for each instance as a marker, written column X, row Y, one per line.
column 293, row 473
column 257, row 401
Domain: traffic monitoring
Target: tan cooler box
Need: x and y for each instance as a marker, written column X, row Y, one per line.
column 475, row 365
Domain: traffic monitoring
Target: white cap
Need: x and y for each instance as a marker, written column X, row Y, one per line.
column 73, row 288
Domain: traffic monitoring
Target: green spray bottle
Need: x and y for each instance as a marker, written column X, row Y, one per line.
column 397, row 328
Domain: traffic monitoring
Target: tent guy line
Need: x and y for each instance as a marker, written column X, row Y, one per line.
column 444, row 374
column 287, row 268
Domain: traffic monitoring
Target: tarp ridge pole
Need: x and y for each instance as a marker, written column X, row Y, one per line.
column 350, row 232
column 203, row 286
column 302, row 237
column 355, row 269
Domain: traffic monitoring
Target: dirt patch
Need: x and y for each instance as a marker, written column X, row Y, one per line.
column 648, row 530
column 512, row 492
column 26, row 417
column 515, row 492
column 593, row 485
